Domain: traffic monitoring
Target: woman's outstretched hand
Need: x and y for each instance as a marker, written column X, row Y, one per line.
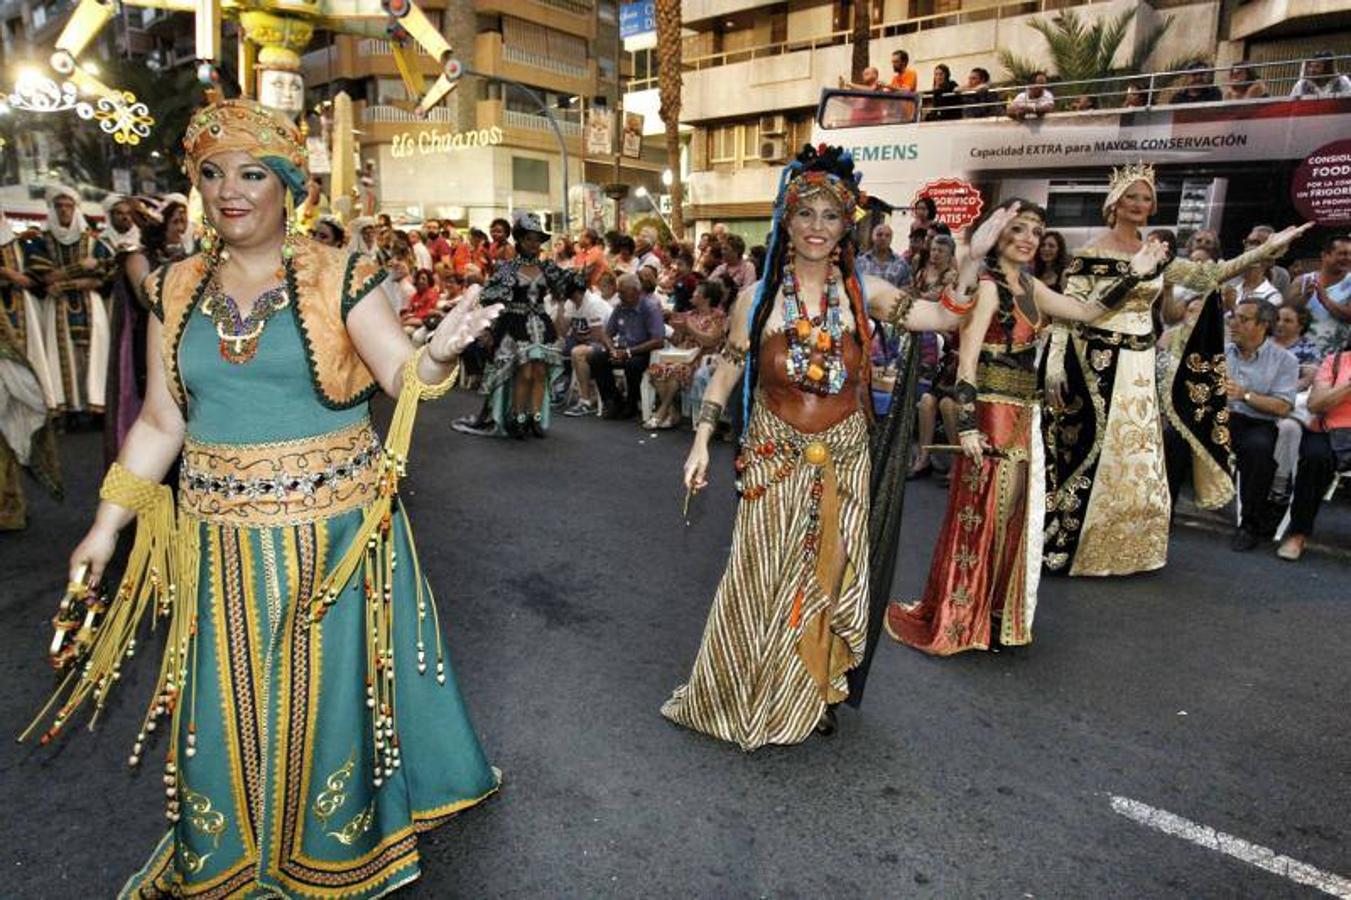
column 459, row 329
column 1148, row 258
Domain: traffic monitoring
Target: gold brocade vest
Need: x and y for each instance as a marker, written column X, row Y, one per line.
column 324, row 283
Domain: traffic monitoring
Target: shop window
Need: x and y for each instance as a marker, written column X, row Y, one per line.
column 530, row 174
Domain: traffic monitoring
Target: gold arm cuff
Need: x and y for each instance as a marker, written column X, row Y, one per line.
column 125, row 488
column 905, row 299
column 411, row 380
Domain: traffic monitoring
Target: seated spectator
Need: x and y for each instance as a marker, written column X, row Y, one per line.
column 564, row 251
column 680, row 280
column 978, row 100
column 1323, row 452
column 1197, row 85
column 1292, row 326
column 421, row 255
column 1035, row 100
column 591, row 256
column 735, row 266
column 881, row 261
column 1291, row 323
column 944, row 102
column 1137, row 96
column 936, row 399
column 480, row 250
column 710, row 258
column 622, row 259
column 1243, row 84
column 423, row 304
column 1084, row 103
column 938, row 271
column 1326, row 293
column 632, row 332
column 646, row 250
column 1320, row 79
column 1261, row 389
column 699, row 333
column 917, row 246
column 581, row 321
column 1205, row 242
column 1253, row 284
column 1279, row 276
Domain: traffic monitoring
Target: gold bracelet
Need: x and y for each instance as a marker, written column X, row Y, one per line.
column 411, row 379
column 904, row 301
column 733, row 355
column 125, row 488
column 710, row 413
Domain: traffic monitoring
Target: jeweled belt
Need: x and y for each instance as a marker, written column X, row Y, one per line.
column 1006, row 381
column 282, row 482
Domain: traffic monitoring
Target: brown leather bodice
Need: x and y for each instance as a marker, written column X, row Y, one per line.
column 805, row 411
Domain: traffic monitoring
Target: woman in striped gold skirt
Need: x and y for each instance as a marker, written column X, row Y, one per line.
column 790, row 616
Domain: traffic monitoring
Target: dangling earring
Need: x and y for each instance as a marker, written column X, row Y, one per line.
column 835, row 256
column 211, row 245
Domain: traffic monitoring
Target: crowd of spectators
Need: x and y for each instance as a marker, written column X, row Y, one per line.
column 946, row 100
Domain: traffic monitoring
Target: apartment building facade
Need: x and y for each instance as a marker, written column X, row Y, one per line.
column 780, row 55
column 489, row 148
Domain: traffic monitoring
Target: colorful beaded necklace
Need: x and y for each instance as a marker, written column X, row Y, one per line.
column 239, row 334
column 815, row 343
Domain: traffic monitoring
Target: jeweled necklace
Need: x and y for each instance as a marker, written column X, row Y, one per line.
column 815, row 343
column 239, row 334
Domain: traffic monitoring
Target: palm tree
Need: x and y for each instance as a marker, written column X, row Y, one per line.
column 1086, row 52
column 859, row 38
column 668, row 87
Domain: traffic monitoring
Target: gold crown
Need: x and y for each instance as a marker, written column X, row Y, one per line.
column 1127, row 175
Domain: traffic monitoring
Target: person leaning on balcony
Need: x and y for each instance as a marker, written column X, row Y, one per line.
column 1137, row 96
column 1321, row 79
column 904, row 77
column 944, row 101
column 1196, row 86
column 977, row 98
column 1243, row 83
column 1035, row 100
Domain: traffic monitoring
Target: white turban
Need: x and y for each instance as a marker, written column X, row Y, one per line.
column 114, row 240
column 67, row 234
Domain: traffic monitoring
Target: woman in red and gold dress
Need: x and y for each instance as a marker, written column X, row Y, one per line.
column 982, row 587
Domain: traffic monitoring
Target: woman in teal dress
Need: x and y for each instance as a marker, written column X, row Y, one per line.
column 314, row 726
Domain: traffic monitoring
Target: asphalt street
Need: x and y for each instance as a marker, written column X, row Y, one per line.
column 574, row 596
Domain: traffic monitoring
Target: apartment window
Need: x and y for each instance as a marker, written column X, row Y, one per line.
column 543, row 43
column 606, row 11
column 750, row 140
column 605, row 66
column 722, row 144
column 529, row 174
column 390, row 90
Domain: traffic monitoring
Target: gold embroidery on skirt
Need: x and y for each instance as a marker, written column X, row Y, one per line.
column 333, row 796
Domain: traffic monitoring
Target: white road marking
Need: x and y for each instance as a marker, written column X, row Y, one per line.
column 1252, row 854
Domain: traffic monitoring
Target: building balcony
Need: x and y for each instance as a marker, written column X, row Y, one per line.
column 528, row 130
column 695, row 11
column 493, row 57
column 353, row 58
column 1258, row 16
column 790, row 74
column 571, row 16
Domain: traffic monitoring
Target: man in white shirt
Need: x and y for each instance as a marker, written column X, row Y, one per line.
column 582, row 322
column 420, row 251
column 1036, row 100
column 1321, row 80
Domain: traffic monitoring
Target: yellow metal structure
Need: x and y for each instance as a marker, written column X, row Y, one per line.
column 273, row 34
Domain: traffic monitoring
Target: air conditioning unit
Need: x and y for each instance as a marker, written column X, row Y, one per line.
column 774, row 149
column 774, row 124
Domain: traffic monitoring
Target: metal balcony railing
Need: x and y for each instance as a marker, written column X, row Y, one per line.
column 539, row 61
column 1228, row 86
column 517, row 119
column 383, row 114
